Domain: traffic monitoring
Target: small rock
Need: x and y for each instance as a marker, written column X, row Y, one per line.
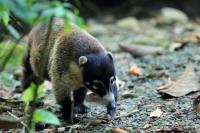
column 170, row 15
column 49, row 130
column 97, row 29
column 146, row 126
column 108, row 130
column 157, row 113
column 118, row 130
column 61, row 129
column 128, row 23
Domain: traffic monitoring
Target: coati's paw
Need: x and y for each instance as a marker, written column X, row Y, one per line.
column 81, row 109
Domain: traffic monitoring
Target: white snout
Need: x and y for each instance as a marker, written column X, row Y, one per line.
column 109, row 97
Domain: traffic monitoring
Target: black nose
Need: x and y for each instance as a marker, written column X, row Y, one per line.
column 111, row 108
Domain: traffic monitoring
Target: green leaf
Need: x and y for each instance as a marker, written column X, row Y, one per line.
column 28, row 94
column 5, row 17
column 40, row 92
column 13, row 31
column 41, row 115
column 67, row 26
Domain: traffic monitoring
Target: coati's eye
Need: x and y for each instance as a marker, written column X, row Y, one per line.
column 97, row 84
column 94, row 87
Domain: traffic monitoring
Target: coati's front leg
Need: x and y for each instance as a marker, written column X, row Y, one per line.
column 70, row 105
column 66, row 107
column 79, row 96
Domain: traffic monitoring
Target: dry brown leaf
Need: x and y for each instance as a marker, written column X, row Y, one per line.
column 5, row 94
column 157, row 113
column 141, row 50
column 156, row 75
column 186, row 83
column 172, row 130
column 198, row 38
column 134, row 70
column 118, row 130
column 193, row 37
column 196, row 103
column 7, row 122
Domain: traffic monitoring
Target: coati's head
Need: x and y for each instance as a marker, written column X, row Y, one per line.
column 99, row 76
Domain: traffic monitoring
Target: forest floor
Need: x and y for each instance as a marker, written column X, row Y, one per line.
column 141, row 106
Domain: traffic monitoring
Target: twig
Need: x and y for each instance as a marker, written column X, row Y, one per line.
column 126, row 115
column 72, row 127
column 17, row 118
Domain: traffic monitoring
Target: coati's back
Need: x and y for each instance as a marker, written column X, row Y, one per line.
column 66, row 46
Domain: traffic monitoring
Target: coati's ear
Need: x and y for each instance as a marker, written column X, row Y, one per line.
column 82, row 60
column 110, row 55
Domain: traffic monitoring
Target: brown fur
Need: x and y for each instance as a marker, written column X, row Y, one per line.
column 63, row 53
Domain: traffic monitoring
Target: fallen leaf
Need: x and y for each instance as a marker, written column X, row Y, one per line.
column 172, row 130
column 186, row 83
column 118, row 130
column 5, row 94
column 157, row 113
column 141, row 50
column 7, row 122
column 156, row 75
column 193, row 37
column 196, row 103
column 198, row 39
column 134, row 70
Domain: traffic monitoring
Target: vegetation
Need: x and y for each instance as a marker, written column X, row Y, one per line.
column 31, row 12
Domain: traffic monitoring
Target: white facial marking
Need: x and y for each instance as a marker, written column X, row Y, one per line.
column 96, row 81
column 109, row 97
column 94, row 87
column 112, row 80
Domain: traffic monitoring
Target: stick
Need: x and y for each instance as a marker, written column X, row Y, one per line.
column 17, row 118
column 126, row 115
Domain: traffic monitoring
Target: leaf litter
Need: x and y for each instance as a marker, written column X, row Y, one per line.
column 185, row 84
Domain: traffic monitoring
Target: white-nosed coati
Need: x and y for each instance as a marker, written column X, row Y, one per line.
column 76, row 62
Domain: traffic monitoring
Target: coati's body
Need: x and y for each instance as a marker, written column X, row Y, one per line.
column 62, row 57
